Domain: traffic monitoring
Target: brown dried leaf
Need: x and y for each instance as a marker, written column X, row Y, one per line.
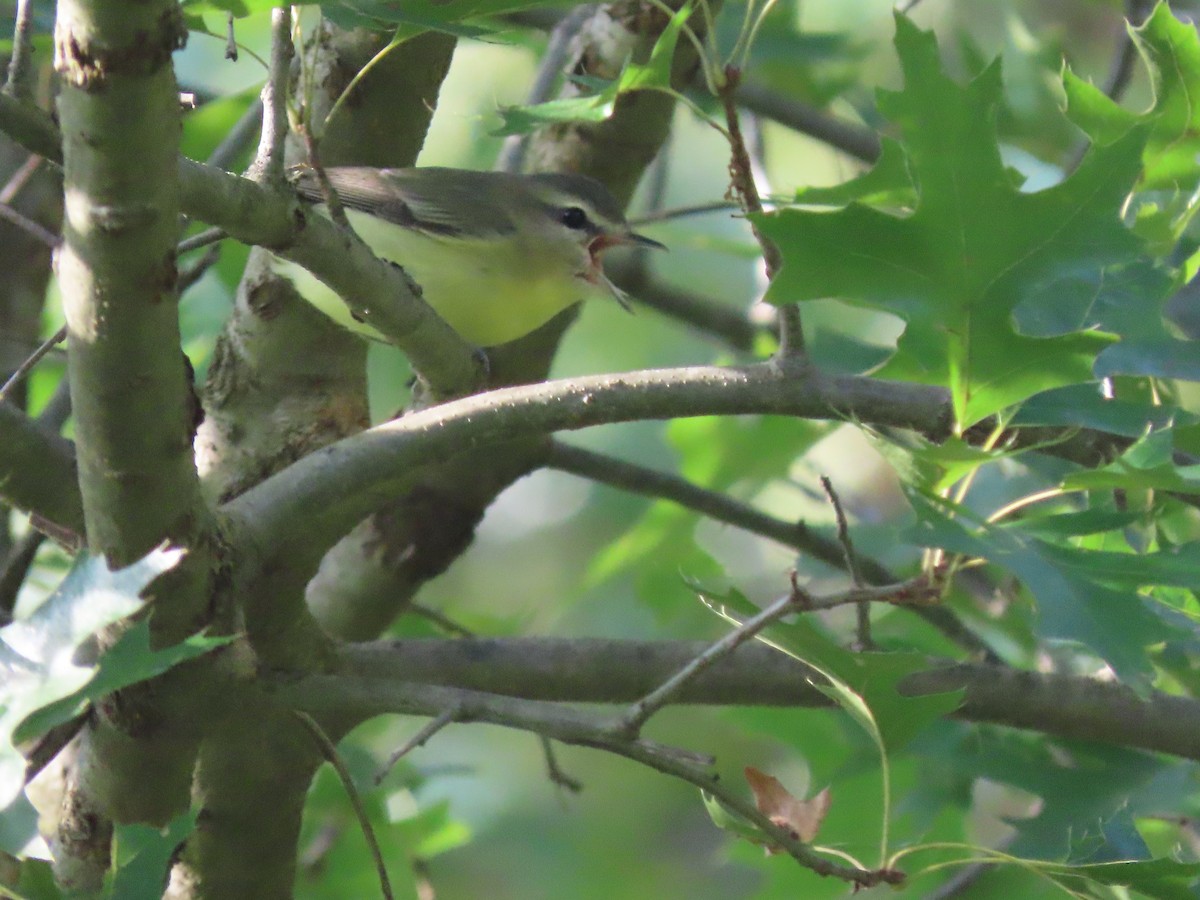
column 802, row 818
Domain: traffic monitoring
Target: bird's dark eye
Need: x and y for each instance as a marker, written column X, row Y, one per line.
column 574, row 217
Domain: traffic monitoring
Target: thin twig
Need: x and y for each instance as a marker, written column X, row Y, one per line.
column 21, row 556
column 562, row 723
column 191, row 274
column 331, row 755
column 640, row 712
column 34, row 358
column 333, row 203
column 441, row 620
column 554, row 771
column 200, row 239
column 16, row 183
column 915, row 592
column 16, row 567
column 1121, row 70
column 29, row 226
column 268, row 161
column 744, row 189
column 863, row 627
column 711, row 318
column 20, row 64
column 680, row 212
column 432, row 727
column 239, row 137
column 666, row 486
column 512, row 152
column 231, row 47
column 850, row 138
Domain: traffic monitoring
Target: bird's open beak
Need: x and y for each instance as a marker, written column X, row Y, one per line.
column 635, row 240
column 602, row 242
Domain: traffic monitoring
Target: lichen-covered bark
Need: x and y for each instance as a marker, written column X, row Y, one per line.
column 119, row 112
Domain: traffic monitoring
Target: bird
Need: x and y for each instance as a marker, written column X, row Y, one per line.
column 495, row 254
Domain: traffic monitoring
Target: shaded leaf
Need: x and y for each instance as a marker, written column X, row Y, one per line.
column 142, row 856
column 1073, row 604
column 1084, row 405
column 127, row 662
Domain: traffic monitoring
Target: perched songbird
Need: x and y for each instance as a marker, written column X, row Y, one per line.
column 495, row 254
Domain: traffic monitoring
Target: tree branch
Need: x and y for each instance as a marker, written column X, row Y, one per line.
column 593, row 670
column 302, row 510
column 855, row 140
column 333, row 696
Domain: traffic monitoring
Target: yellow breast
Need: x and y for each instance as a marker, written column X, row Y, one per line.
column 490, row 290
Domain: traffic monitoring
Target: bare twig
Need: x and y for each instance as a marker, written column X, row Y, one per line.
column 330, row 752
column 796, row 599
column 239, row 137
column 20, row 63
column 34, row 358
column 20, row 178
column 663, row 485
column 16, row 567
column 562, row 723
column 554, row 771
column 191, row 274
column 679, row 212
column 744, row 189
column 640, row 712
column 333, row 203
column 28, row 225
column 439, row 619
column 200, row 239
column 1121, row 71
column 850, row 138
column 432, row 727
column 268, row 162
column 863, row 624
column 712, row 318
column 231, row 47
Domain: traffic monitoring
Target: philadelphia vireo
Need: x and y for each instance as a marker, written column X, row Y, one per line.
column 496, row 255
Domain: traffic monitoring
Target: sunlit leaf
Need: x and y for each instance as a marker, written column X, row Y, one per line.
column 972, row 250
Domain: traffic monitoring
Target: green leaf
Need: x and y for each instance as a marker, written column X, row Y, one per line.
column 1074, row 603
column 1171, row 51
column 730, row 821
column 1084, row 406
column 142, row 857
column 590, row 108
column 887, row 183
column 1148, row 464
column 37, row 653
column 433, row 830
column 1162, row 879
column 654, row 74
column 32, row 880
column 975, row 246
column 127, row 662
